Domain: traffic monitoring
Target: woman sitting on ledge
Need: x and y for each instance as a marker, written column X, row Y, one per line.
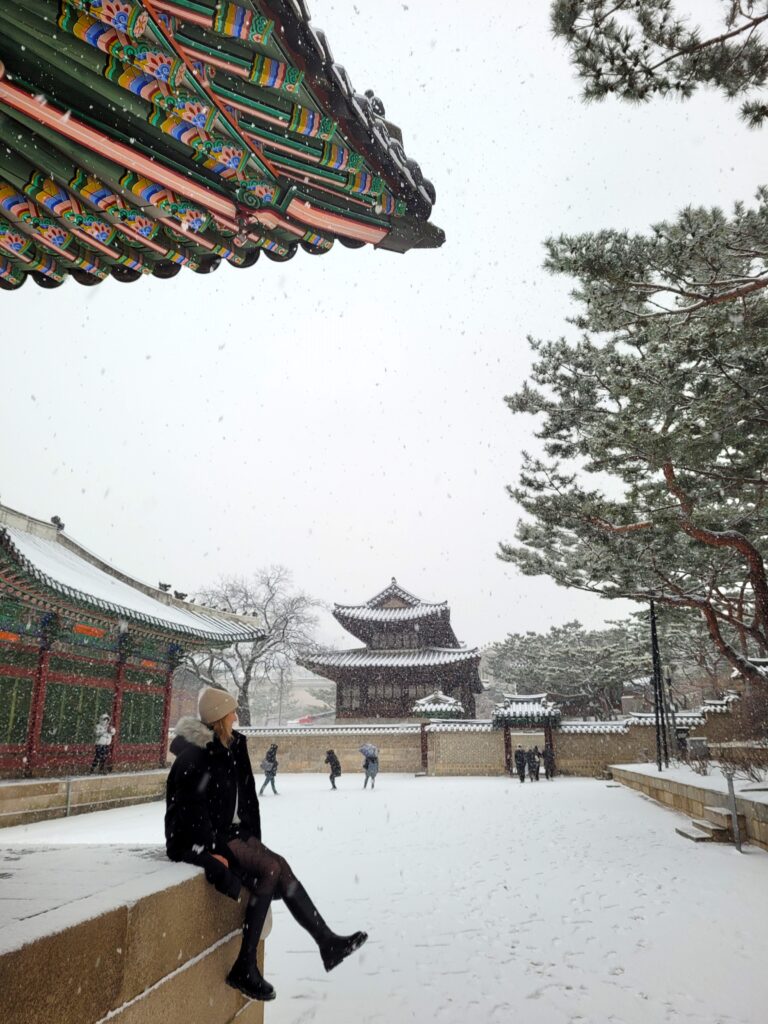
column 212, row 820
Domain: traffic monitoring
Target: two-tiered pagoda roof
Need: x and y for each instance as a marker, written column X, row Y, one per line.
column 410, row 646
column 141, row 136
column 393, row 610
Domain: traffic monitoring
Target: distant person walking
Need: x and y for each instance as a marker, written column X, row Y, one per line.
column 533, row 757
column 269, row 767
column 335, row 766
column 520, row 763
column 549, row 762
column 370, row 764
column 104, row 733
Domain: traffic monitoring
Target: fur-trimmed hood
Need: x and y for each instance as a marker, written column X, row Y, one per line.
column 191, row 730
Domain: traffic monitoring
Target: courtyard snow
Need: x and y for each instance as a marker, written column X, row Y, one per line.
column 490, row 901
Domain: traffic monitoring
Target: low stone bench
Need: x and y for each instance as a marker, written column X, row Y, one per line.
column 24, row 801
column 96, row 933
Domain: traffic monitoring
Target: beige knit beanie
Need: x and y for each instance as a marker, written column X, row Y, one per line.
column 213, row 704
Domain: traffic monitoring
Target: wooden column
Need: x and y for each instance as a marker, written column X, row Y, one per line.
column 175, row 657
column 424, row 748
column 124, row 644
column 48, row 630
column 549, row 738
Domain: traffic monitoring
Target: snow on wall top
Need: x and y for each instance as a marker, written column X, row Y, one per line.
column 328, row 730
column 58, row 565
column 590, row 728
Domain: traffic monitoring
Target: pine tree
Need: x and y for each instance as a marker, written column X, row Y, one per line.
column 654, row 477
column 641, row 49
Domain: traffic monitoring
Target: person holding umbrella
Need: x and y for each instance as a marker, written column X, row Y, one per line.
column 370, row 764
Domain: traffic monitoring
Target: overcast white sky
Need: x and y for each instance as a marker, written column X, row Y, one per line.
column 344, row 415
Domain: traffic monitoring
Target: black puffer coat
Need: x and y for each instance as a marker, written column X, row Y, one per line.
column 333, row 763
column 206, row 782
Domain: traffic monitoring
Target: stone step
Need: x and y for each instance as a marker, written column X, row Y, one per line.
column 722, row 816
column 718, row 833
column 694, row 834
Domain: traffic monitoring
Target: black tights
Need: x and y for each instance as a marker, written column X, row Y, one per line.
column 269, row 876
column 263, row 872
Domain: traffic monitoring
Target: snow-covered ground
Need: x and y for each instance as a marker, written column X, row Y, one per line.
column 488, row 901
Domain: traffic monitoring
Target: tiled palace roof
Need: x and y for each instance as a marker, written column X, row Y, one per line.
column 143, row 136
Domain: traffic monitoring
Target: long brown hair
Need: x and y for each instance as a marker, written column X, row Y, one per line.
column 221, row 731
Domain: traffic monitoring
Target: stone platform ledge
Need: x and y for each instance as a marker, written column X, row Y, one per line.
column 23, row 801
column 683, row 790
column 96, row 933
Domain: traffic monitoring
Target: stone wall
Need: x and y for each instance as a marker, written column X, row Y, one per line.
column 452, row 749
column 31, row 800
column 158, row 952
column 465, row 752
column 304, row 750
column 591, row 753
column 692, row 799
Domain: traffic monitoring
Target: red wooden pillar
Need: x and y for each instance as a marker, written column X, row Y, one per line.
column 37, row 711
column 48, row 626
column 175, row 657
column 424, row 748
column 117, row 711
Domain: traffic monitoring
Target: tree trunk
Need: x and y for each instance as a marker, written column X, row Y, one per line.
column 243, row 707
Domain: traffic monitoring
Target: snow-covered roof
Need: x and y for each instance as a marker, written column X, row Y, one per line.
column 393, row 592
column 530, row 708
column 362, row 657
column 392, row 605
column 593, row 728
column 437, row 709
column 413, row 613
column 437, row 699
column 474, row 726
column 685, row 718
column 62, row 566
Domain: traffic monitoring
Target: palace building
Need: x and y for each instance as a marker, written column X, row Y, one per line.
column 79, row 638
column 410, row 653
column 143, row 136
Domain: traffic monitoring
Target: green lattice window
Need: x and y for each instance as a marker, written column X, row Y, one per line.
column 142, row 718
column 15, row 699
column 145, row 676
column 71, row 712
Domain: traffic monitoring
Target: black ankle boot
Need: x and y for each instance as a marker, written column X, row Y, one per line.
column 248, row 980
column 338, row 947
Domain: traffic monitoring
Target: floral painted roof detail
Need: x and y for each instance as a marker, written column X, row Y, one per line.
column 143, row 136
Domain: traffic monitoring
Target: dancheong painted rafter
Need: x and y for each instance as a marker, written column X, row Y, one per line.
column 141, row 136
